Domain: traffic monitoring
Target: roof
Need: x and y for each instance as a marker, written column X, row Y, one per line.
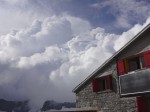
column 78, row 87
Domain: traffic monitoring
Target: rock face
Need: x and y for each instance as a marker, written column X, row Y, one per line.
column 48, row 105
column 22, row 106
column 15, row 106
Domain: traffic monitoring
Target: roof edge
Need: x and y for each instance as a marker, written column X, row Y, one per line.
column 110, row 59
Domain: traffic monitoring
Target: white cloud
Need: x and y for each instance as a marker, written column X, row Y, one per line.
column 126, row 36
column 76, row 24
column 36, row 38
column 123, row 22
column 32, row 55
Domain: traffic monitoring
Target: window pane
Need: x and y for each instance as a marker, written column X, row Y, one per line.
column 134, row 64
column 103, row 84
column 142, row 62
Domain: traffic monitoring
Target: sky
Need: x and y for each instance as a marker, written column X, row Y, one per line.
column 47, row 47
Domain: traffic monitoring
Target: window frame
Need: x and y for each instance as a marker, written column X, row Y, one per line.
column 103, row 83
column 108, row 85
column 127, row 64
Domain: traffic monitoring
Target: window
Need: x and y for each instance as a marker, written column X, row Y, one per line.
column 102, row 83
column 135, row 62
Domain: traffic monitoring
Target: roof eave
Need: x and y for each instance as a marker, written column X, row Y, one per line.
column 110, row 59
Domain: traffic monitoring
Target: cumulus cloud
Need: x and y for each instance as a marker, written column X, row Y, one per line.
column 128, row 35
column 42, row 34
column 47, row 59
column 76, row 24
column 50, row 57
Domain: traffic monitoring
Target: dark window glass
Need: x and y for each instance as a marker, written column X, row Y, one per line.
column 103, row 84
column 136, row 63
column 142, row 62
column 133, row 64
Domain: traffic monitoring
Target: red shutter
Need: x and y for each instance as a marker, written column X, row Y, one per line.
column 109, row 82
column 142, row 104
column 147, row 58
column 121, row 68
column 96, row 85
